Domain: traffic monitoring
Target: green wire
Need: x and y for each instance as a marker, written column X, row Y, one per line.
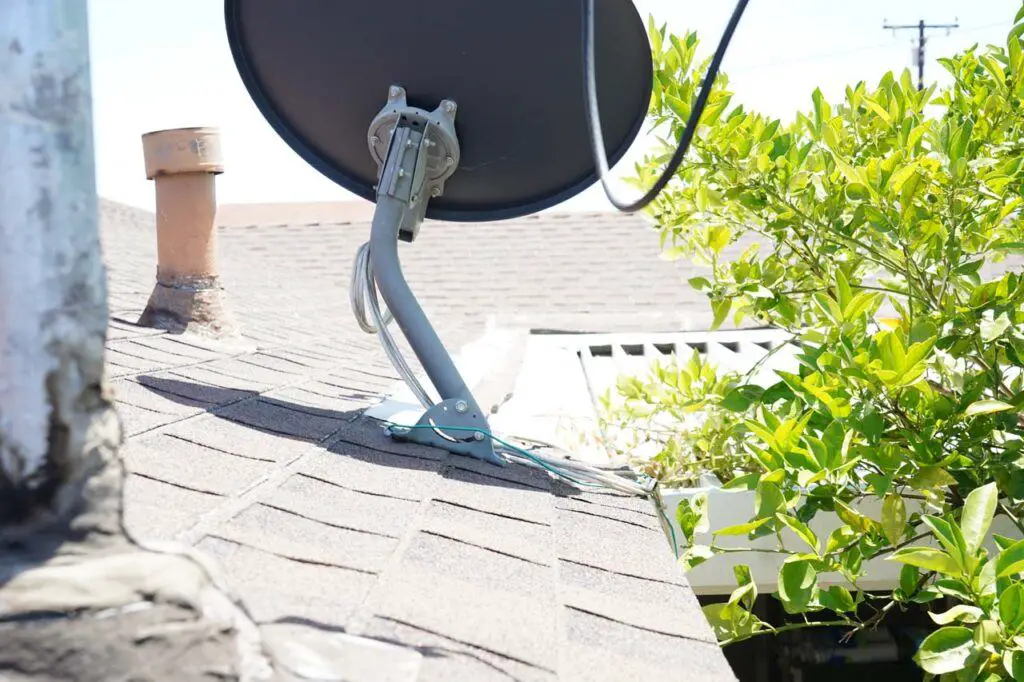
column 671, row 530
column 542, row 464
column 518, row 450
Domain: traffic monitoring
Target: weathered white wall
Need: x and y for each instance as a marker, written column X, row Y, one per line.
column 52, row 285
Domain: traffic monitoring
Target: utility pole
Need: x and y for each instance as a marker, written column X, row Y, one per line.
column 76, row 591
column 921, row 40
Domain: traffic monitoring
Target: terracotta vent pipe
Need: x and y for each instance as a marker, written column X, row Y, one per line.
column 188, row 295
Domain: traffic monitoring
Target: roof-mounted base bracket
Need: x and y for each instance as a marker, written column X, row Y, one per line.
column 417, row 151
column 444, row 426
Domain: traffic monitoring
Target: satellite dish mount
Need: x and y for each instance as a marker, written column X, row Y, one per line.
column 512, row 71
column 416, row 152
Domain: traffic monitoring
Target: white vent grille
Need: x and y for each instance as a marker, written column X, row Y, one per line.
column 605, row 358
column 562, row 377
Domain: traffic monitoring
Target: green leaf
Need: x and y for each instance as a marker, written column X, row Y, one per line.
column 654, row 35
column 692, row 516
column 718, row 238
column 744, row 482
column 699, row 283
column 877, row 108
column 1011, row 560
column 985, row 582
column 925, row 596
column 742, row 573
column 950, row 537
column 917, row 133
column 1013, row 661
column 768, row 500
column 953, row 588
column 839, row 538
column 879, row 483
column 857, row 191
column 931, row 477
column 798, row 583
column 946, row 650
column 860, row 304
column 979, row 509
column 1011, row 608
column 993, row 329
column 822, row 110
column 801, row 530
column 837, row 598
column 829, row 307
column 910, row 576
column 731, row 620
column 1002, row 542
column 894, row 518
column 958, row 146
column 923, row 331
column 694, row 556
column 741, row 398
column 1013, row 247
column 742, row 528
column 987, row 407
column 720, row 308
column 927, row 558
column 843, row 290
column 961, row 613
column 854, row 518
column 986, row 633
column 678, row 107
column 746, row 590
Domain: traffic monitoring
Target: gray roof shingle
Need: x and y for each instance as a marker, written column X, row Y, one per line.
column 260, row 456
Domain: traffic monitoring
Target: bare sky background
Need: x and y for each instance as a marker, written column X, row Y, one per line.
column 166, row 64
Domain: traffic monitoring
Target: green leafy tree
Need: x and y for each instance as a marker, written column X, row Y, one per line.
column 875, row 231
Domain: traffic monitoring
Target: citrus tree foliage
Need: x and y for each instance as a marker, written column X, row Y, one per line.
column 874, row 229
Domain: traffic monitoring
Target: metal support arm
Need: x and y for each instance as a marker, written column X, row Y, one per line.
column 421, row 152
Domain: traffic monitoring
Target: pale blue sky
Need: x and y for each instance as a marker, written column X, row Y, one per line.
column 165, row 64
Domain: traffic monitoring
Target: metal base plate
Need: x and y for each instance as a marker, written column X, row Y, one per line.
column 449, row 425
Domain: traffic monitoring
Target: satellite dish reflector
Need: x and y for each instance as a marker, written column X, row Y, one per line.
column 318, row 71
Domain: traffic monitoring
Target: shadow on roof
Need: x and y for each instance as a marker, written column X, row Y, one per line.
column 346, row 433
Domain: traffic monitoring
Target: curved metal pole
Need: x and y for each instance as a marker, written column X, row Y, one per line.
column 402, row 303
column 402, row 195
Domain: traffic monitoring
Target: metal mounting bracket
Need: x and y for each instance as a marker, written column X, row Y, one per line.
column 469, row 436
column 416, row 151
column 437, row 152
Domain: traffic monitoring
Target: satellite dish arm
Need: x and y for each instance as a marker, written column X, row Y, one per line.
column 421, row 152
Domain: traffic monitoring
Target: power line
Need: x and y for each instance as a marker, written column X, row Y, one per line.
column 921, row 40
column 811, row 57
column 818, row 56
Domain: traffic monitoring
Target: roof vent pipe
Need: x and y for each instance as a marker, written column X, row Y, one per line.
column 188, row 295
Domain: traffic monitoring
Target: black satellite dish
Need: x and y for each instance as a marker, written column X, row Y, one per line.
column 319, row 70
column 467, row 110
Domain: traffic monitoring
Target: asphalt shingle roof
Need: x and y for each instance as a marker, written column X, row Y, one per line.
column 260, row 454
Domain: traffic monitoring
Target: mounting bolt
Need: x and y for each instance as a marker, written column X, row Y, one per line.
column 461, row 406
column 478, row 435
column 449, row 161
column 395, row 92
column 374, row 140
column 408, row 144
column 401, row 173
column 436, row 192
column 449, row 106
